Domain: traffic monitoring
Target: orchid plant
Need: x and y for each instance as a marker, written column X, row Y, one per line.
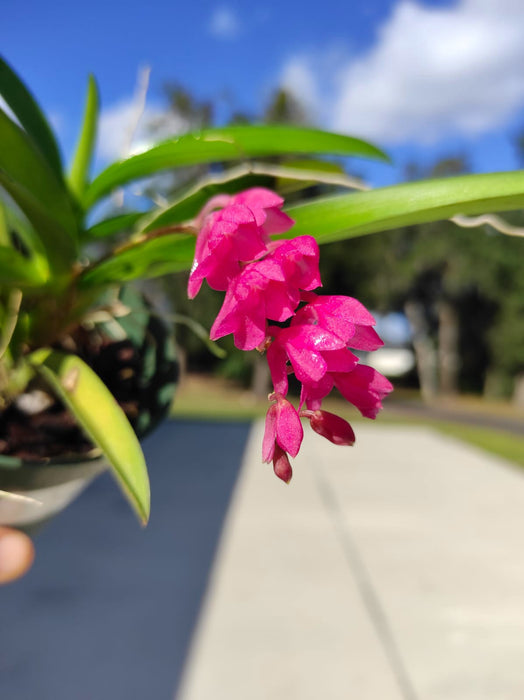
column 62, row 248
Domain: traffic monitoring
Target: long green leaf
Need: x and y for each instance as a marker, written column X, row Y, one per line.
column 115, row 224
column 32, row 184
column 102, row 419
column 350, row 215
column 225, row 144
column 28, row 113
column 150, row 258
column 303, row 174
column 86, row 142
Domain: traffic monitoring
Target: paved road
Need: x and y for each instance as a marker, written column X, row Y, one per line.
column 388, row 571
column 453, row 412
column 108, row 610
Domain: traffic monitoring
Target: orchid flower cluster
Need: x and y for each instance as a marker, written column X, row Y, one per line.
column 270, row 306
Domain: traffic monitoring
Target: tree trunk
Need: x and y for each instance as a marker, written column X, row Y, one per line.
column 425, row 355
column 261, row 377
column 518, row 392
column 448, row 352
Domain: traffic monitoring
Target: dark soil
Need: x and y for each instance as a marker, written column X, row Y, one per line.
column 54, row 432
column 50, row 433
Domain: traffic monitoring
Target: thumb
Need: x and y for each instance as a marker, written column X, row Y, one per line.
column 16, row 554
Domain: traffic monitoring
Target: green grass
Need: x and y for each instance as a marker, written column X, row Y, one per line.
column 498, row 442
column 202, row 397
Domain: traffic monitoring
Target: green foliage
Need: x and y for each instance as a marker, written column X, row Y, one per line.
column 59, row 255
column 29, row 115
column 86, row 143
column 349, row 215
column 233, row 143
column 102, row 419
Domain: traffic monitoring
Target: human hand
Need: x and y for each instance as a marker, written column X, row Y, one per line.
column 16, row 554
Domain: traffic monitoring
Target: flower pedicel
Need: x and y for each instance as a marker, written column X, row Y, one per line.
column 268, row 282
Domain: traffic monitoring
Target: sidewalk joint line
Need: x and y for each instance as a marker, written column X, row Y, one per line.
column 365, row 586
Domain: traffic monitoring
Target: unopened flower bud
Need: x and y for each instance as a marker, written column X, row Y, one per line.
column 331, row 426
column 281, row 465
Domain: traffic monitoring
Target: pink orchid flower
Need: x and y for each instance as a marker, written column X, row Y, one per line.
column 227, row 238
column 268, row 282
column 265, row 205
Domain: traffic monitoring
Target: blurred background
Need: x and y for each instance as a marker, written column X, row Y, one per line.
column 438, row 84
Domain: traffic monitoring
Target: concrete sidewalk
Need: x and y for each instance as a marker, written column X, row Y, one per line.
column 393, row 570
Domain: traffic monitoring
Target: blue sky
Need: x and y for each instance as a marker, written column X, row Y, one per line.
column 421, row 79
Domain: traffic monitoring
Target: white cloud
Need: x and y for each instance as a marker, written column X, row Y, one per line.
column 224, row 23
column 298, row 79
column 57, row 121
column 119, row 135
column 433, row 72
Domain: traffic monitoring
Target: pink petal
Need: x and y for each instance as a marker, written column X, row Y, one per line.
column 277, row 222
column 281, row 465
column 332, row 427
column 312, row 393
column 299, row 259
column 280, row 301
column 270, row 433
column 338, row 314
column 266, row 206
column 364, row 387
column 307, row 364
column 310, row 336
column 277, row 361
column 340, row 360
column 365, row 338
column 289, row 428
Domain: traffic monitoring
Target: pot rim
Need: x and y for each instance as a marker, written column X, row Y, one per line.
column 17, row 474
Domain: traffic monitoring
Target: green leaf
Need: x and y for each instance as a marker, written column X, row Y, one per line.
column 304, row 173
column 33, row 186
column 22, row 260
column 146, row 259
column 200, row 332
column 86, row 143
column 28, row 113
column 101, row 418
column 350, row 215
column 115, row 224
column 16, row 270
column 5, row 238
column 55, row 240
column 225, row 144
column 20, row 235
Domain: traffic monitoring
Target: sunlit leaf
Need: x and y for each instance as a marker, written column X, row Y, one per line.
column 359, row 213
column 225, row 144
column 84, row 150
column 151, row 258
column 22, row 261
column 101, row 418
column 41, row 196
column 28, row 113
column 302, row 173
column 19, row 271
column 59, row 246
column 115, row 224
